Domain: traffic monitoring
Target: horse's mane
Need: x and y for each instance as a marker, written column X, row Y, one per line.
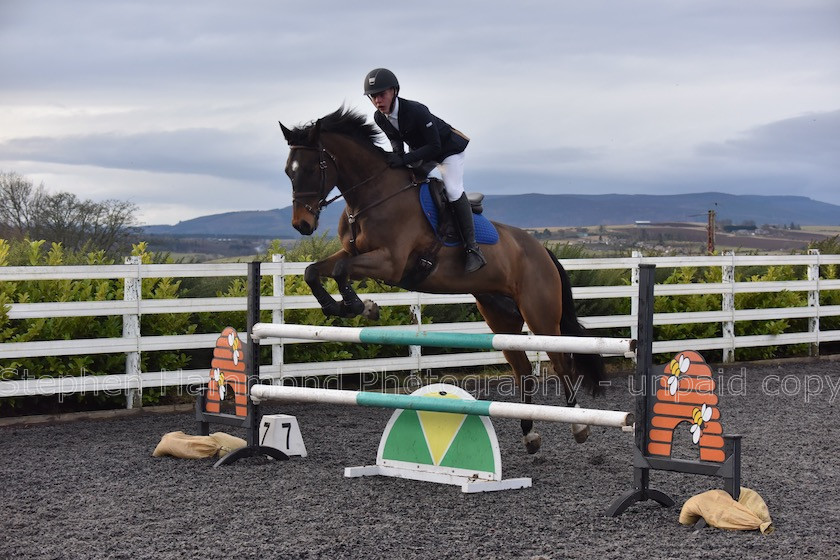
column 343, row 121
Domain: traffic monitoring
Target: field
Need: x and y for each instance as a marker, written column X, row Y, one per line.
column 686, row 238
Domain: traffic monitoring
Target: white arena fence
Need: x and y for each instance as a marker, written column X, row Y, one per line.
column 132, row 380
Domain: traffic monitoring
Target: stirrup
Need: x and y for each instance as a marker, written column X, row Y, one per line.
column 475, row 260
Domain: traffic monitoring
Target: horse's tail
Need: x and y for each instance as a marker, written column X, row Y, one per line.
column 589, row 366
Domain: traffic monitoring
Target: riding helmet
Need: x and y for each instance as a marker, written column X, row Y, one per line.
column 380, row 79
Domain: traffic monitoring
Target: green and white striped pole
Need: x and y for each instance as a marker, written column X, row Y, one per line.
column 520, row 411
column 379, row 335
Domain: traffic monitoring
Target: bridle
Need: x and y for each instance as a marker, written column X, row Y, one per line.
column 322, row 166
column 325, row 155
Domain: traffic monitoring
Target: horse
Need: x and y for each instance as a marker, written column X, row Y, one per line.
column 386, row 237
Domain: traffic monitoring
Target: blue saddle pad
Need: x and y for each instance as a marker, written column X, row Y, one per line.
column 485, row 232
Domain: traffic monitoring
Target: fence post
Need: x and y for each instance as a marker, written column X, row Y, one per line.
column 279, row 315
column 133, row 292
column 634, row 299
column 814, row 302
column 417, row 317
column 728, row 306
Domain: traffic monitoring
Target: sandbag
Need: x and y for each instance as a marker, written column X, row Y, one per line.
column 178, row 444
column 227, row 443
column 719, row 510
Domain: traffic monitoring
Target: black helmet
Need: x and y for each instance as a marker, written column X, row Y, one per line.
column 380, row 79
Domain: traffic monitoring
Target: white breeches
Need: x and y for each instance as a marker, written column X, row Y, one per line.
column 452, row 173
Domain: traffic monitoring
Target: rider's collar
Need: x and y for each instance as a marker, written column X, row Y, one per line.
column 396, row 110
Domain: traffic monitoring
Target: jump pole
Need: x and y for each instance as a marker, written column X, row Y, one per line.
column 517, row 411
column 378, row 335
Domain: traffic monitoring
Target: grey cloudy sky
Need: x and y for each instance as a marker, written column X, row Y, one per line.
column 174, row 105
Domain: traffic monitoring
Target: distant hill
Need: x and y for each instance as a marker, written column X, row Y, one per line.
column 271, row 223
column 550, row 210
column 534, row 210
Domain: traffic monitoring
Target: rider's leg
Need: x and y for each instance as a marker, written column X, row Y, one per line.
column 422, row 169
column 452, row 173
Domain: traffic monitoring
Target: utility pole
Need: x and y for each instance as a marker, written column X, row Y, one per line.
column 710, row 234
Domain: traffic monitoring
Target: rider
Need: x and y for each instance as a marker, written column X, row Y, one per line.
column 432, row 143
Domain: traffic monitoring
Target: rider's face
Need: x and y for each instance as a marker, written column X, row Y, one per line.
column 383, row 100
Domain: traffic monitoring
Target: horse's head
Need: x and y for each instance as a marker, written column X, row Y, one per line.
column 312, row 170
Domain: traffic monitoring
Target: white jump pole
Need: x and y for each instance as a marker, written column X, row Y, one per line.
column 519, row 411
column 375, row 335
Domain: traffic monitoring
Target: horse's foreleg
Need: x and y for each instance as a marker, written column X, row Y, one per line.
column 376, row 264
column 329, row 306
column 343, row 267
column 312, row 276
column 351, row 303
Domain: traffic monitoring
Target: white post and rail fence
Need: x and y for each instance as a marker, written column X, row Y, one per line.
column 131, row 381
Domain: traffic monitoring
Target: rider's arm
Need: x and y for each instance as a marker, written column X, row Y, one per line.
column 423, row 122
column 397, row 146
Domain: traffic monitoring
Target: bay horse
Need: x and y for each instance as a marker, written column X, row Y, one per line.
column 385, row 236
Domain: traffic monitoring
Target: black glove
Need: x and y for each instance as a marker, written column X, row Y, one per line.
column 394, row 160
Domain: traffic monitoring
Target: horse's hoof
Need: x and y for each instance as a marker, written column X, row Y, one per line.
column 581, row 432
column 354, row 309
column 533, row 442
column 371, row 310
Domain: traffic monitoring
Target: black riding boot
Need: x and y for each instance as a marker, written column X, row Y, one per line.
column 464, row 217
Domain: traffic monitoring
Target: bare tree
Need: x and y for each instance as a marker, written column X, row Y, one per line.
column 29, row 211
column 111, row 223
column 20, row 201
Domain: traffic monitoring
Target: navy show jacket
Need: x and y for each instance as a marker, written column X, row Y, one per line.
column 429, row 138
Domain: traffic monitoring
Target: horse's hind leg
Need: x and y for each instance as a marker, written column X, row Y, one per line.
column 503, row 317
column 563, row 367
column 571, row 385
column 542, row 311
column 527, row 387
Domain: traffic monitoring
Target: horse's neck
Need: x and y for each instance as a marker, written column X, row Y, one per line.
column 363, row 177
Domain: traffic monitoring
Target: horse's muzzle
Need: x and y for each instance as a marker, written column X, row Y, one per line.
column 305, row 217
column 305, row 225
column 304, row 228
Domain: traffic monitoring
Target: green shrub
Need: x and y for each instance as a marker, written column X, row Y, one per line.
column 33, row 253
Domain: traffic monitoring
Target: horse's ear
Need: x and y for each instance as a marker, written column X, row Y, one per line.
column 286, row 131
column 314, row 133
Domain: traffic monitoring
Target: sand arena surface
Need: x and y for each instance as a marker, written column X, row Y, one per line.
column 91, row 489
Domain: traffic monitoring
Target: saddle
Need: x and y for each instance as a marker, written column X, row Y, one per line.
column 438, row 211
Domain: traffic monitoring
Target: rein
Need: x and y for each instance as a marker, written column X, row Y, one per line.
column 351, row 218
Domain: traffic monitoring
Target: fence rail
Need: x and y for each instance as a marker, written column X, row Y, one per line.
column 132, row 381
